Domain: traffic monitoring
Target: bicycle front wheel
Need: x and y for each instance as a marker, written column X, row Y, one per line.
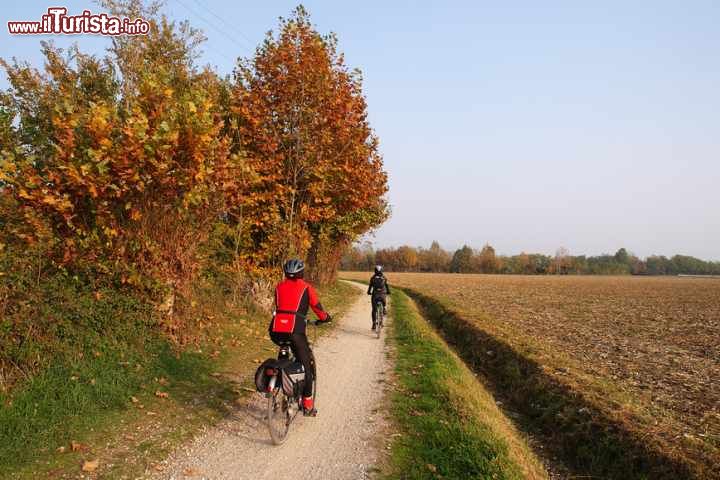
column 278, row 416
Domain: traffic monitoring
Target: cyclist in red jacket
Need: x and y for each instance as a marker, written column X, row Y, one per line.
column 293, row 297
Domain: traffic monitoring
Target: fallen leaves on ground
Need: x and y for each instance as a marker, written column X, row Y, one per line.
column 90, row 465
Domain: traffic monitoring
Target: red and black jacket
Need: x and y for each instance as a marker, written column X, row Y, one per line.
column 293, row 297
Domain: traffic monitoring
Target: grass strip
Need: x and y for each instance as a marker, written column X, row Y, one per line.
column 585, row 438
column 449, row 425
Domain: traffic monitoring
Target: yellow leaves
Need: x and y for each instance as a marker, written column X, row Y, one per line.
column 90, row 465
column 24, row 194
column 49, row 200
column 135, row 214
column 110, row 232
column 65, row 206
column 168, row 92
column 191, row 106
column 98, row 124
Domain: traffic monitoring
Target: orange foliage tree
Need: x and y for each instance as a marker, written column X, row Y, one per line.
column 313, row 178
column 121, row 158
column 487, row 261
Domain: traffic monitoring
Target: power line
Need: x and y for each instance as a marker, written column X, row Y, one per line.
column 213, row 26
column 232, row 28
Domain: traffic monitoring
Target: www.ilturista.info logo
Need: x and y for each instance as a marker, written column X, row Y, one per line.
column 57, row 21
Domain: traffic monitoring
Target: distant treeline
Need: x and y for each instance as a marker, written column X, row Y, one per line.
column 468, row 260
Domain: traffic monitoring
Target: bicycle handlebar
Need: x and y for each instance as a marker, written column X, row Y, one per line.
column 317, row 322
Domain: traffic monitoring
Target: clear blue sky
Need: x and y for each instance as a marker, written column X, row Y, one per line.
column 529, row 125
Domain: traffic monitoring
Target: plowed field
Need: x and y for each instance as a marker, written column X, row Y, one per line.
column 647, row 348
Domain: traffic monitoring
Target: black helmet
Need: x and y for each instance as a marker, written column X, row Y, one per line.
column 294, row 268
column 378, row 268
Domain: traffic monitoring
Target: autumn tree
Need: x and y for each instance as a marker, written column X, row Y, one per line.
column 622, row 256
column 407, row 259
column 388, row 258
column 462, row 260
column 315, row 180
column 487, row 260
column 352, row 259
column 434, row 259
column 368, row 256
column 120, row 158
column 523, row 263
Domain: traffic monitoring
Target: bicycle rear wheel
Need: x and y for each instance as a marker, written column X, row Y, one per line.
column 278, row 416
column 378, row 319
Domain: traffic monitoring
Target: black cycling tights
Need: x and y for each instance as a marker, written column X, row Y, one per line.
column 301, row 350
column 375, row 299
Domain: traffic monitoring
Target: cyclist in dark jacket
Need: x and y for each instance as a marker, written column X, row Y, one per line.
column 293, row 297
column 379, row 289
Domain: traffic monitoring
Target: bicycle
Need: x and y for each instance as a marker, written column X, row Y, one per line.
column 284, row 391
column 379, row 310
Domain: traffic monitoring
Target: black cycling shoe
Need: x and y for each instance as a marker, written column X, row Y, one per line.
column 374, row 327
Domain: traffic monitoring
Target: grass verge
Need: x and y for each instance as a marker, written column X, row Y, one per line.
column 449, row 425
column 590, row 443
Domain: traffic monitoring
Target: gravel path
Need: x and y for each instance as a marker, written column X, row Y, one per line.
column 342, row 442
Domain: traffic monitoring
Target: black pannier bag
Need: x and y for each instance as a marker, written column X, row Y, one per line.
column 295, row 373
column 261, row 378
